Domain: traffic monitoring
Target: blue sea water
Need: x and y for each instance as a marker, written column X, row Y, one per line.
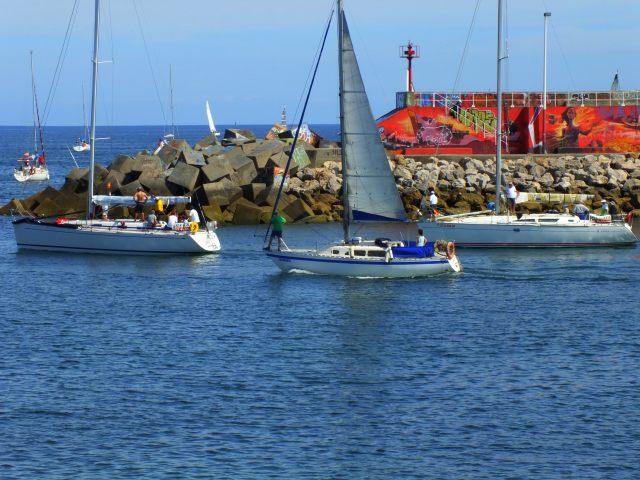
column 524, row 366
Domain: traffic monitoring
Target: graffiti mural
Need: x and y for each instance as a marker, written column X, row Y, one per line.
column 454, row 129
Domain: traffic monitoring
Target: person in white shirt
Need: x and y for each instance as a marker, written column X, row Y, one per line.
column 193, row 215
column 433, row 200
column 512, row 194
column 172, row 219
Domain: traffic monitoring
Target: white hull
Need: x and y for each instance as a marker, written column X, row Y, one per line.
column 324, row 263
column 82, row 148
column 544, row 230
column 40, row 175
column 107, row 238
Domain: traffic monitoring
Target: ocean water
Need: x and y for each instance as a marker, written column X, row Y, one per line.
column 523, row 366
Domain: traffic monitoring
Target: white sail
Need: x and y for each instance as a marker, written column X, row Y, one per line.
column 212, row 126
column 371, row 189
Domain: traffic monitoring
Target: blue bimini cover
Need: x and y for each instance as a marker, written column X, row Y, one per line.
column 413, row 252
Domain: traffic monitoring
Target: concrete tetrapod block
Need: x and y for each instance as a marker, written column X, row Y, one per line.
column 14, row 205
column 221, row 193
column 168, row 154
column 217, row 168
column 245, row 169
column 184, row 175
column 297, row 209
column 147, row 163
column 246, row 213
column 207, row 141
column 265, row 151
column 123, row 164
column 192, row 157
column 252, row 190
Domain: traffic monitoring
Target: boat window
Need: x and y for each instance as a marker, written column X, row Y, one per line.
column 335, row 252
column 548, row 220
column 376, row 253
column 359, row 253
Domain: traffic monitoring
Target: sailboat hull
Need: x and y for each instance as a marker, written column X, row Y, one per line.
column 312, row 262
column 82, row 148
column 34, row 235
column 500, row 232
column 40, row 175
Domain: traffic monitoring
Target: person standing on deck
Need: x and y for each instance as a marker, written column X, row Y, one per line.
column 512, row 194
column 422, row 240
column 140, row 197
column 277, row 223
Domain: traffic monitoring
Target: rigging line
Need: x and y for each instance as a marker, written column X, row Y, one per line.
column 466, row 47
column 295, row 138
column 61, row 57
column 304, row 88
column 146, row 49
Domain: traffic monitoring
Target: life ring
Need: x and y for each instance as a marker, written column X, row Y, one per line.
column 451, row 250
column 194, row 227
column 629, row 218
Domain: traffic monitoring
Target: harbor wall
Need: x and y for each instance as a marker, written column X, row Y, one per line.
column 238, row 184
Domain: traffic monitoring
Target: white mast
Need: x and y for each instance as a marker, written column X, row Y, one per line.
column 499, row 108
column 544, row 85
column 94, row 94
column 33, row 106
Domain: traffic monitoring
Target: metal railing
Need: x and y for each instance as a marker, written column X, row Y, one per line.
column 467, row 100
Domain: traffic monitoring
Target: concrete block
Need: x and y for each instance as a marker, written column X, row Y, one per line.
column 318, row 156
column 184, row 176
column 245, row 169
column 218, row 167
column 297, row 209
column 221, row 193
column 252, row 190
column 246, row 213
column 147, row 163
column 168, row 154
column 191, row 157
column 123, row 164
column 207, row 141
column 264, row 151
column 212, row 150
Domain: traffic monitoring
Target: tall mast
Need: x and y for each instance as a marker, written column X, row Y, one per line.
column 544, row 85
column 173, row 123
column 33, row 106
column 343, row 134
column 84, row 116
column 499, row 108
column 94, row 94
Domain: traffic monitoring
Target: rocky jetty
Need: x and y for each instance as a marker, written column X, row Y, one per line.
column 238, row 183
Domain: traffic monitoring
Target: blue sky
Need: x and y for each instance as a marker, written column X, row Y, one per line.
column 252, row 57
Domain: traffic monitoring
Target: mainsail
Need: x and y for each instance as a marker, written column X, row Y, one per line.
column 371, row 189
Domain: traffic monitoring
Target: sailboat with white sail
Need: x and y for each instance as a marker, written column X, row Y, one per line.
column 369, row 194
column 491, row 229
column 82, row 144
column 212, row 126
column 33, row 167
column 120, row 236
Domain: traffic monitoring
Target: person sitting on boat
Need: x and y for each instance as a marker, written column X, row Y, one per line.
column 422, row 240
column 152, row 219
column 172, row 219
column 581, row 211
column 604, row 208
column 140, row 197
column 613, row 210
column 193, row 214
column 512, row 194
column 277, row 223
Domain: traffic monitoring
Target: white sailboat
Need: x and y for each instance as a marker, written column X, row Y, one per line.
column 369, row 194
column 122, row 236
column 33, row 167
column 82, row 144
column 212, row 126
column 491, row 229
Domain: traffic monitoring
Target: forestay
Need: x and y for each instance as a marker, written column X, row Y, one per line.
column 371, row 189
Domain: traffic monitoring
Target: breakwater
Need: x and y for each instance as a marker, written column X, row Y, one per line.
column 237, row 183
